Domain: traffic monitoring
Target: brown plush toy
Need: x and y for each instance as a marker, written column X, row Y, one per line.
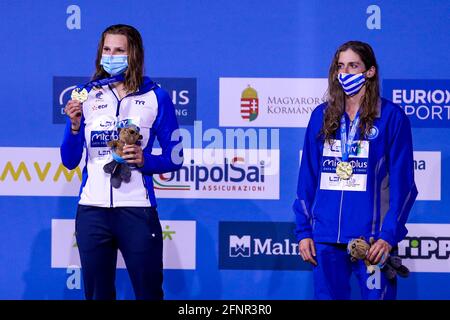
column 128, row 135
column 358, row 249
column 118, row 167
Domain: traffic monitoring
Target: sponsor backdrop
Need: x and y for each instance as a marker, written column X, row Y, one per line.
column 244, row 77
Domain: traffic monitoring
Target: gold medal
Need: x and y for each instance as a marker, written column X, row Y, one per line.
column 79, row 95
column 344, row 170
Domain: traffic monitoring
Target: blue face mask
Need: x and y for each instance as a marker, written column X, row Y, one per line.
column 351, row 83
column 114, row 64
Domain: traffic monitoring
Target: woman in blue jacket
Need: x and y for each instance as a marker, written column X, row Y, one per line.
column 114, row 214
column 356, row 178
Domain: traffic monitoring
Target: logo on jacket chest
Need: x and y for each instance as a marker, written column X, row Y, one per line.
column 99, row 139
column 99, row 95
column 99, row 107
column 373, row 133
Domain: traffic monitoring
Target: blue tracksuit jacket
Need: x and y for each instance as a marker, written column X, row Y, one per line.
column 376, row 200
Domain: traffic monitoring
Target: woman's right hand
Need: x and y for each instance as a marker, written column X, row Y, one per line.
column 73, row 111
column 307, row 250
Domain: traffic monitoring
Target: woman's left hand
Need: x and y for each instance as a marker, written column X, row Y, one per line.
column 379, row 251
column 133, row 154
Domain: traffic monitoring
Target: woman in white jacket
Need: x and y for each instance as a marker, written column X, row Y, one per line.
column 112, row 217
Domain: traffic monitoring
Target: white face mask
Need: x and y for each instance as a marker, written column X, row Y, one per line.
column 351, row 83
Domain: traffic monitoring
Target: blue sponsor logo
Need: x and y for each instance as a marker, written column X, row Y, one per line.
column 99, row 95
column 359, row 165
column 355, row 149
column 425, row 102
column 107, row 123
column 102, row 153
column 183, row 92
column 99, row 139
column 259, row 246
column 373, row 133
column 62, row 89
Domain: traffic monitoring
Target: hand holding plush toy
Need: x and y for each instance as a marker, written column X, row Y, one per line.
column 358, row 249
column 118, row 167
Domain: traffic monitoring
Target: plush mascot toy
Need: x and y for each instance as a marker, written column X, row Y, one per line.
column 118, row 167
column 358, row 249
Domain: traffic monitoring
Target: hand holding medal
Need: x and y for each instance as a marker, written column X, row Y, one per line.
column 73, row 107
column 79, row 95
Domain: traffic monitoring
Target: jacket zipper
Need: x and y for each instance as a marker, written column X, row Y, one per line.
column 117, row 115
column 340, row 214
column 111, row 195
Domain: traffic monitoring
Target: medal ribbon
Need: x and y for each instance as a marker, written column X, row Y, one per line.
column 347, row 144
column 102, row 82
